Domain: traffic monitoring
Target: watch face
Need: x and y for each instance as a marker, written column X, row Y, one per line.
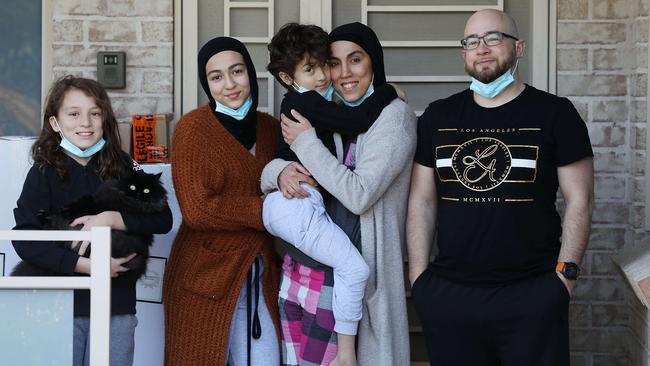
column 571, row 271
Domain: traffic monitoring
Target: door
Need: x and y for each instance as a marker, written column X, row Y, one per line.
column 420, row 39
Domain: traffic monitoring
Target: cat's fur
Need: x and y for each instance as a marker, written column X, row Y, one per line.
column 125, row 195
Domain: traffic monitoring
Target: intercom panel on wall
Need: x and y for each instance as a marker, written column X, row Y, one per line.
column 111, row 69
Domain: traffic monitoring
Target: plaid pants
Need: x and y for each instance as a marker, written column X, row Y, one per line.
column 306, row 317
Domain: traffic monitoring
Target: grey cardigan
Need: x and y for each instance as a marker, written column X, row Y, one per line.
column 377, row 190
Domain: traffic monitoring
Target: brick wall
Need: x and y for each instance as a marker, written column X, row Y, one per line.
column 602, row 67
column 141, row 28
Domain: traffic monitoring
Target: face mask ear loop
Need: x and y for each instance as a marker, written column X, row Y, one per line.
column 59, row 127
column 514, row 69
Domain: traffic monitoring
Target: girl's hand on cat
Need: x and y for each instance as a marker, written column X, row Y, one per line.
column 117, row 264
column 112, row 219
column 291, row 129
column 83, row 265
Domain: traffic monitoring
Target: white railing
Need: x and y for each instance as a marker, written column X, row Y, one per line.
column 99, row 282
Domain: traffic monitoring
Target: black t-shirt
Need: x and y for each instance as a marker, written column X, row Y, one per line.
column 496, row 179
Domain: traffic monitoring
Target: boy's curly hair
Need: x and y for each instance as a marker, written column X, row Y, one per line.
column 291, row 43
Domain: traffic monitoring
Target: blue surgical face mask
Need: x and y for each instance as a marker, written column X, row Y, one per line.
column 238, row 113
column 327, row 94
column 76, row 151
column 299, row 88
column 371, row 89
column 494, row 88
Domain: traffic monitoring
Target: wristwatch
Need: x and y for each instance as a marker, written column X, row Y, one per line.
column 569, row 270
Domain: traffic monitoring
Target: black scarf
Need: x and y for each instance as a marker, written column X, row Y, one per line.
column 245, row 130
column 365, row 37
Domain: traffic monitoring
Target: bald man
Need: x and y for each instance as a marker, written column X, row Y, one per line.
column 488, row 165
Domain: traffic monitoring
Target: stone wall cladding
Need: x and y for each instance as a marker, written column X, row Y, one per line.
column 141, row 28
column 602, row 68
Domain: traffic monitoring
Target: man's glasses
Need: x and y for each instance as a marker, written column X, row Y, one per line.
column 490, row 39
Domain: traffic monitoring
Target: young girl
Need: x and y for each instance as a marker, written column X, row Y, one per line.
column 78, row 148
column 298, row 55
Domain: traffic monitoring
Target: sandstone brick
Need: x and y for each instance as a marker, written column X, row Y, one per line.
column 112, row 31
column 594, row 85
column 67, row 31
column 610, row 187
column 612, row 59
column 590, row 33
column 72, row 55
column 637, row 189
column 602, row 135
column 126, row 106
column 610, row 161
column 79, row 7
column 158, row 81
column 639, row 111
column 579, row 315
column 637, row 216
column 134, row 8
column 638, row 163
column 606, row 340
column 638, row 137
column 605, row 315
column 610, row 111
column 599, row 289
column 612, row 9
column 612, row 360
column 572, row 9
column 640, row 30
column 607, row 238
column 571, row 59
column 58, row 73
column 610, row 213
column 602, row 264
column 157, row 31
column 643, row 8
column 639, row 85
column 150, row 56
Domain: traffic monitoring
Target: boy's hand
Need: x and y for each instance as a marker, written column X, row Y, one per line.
column 291, row 177
column 291, row 129
column 401, row 94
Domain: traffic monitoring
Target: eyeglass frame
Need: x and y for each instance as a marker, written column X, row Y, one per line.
column 482, row 38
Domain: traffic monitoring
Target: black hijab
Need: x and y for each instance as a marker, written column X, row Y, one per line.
column 366, row 38
column 245, row 130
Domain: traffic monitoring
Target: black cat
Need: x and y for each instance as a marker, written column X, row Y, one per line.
column 138, row 193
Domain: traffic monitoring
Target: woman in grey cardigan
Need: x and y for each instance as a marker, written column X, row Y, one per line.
column 369, row 181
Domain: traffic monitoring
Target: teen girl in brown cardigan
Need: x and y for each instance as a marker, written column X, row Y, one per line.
column 221, row 284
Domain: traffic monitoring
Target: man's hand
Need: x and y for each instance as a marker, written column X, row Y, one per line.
column 569, row 284
column 291, row 177
column 291, row 129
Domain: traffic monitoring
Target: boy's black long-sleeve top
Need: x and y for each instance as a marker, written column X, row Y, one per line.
column 328, row 117
column 44, row 190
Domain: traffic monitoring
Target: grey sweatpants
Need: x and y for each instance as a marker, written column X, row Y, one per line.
column 303, row 223
column 122, row 340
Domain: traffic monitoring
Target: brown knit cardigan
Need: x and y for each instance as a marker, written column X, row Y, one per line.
column 217, row 183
